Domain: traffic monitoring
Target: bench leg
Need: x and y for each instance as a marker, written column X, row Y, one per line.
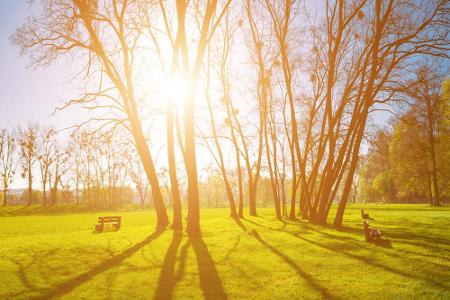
column 99, row 227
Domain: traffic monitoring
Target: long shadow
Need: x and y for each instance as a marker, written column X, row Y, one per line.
column 385, row 243
column 370, row 261
column 429, row 209
column 240, row 224
column 210, row 282
column 403, row 235
column 423, row 245
column 250, row 221
column 308, row 278
column 417, row 237
column 22, row 274
column 104, row 266
column 357, row 243
column 404, row 239
column 24, row 211
column 168, row 278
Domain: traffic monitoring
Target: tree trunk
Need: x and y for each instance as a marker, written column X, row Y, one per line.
column 431, row 139
column 430, row 189
column 177, row 213
column 351, row 172
column 193, row 218
column 149, row 167
column 54, row 190
column 434, row 170
column 30, row 186
column 5, row 192
column 252, row 203
column 241, row 192
column 77, row 183
column 44, row 191
column 294, row 186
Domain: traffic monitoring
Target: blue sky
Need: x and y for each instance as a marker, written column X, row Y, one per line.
column 27, row 94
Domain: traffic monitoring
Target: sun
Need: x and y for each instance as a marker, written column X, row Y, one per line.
column 176, row 89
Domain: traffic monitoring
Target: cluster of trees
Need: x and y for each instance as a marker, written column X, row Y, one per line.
column 91, row 168
column 85, row 168
column 278, row 88
column 409, row 161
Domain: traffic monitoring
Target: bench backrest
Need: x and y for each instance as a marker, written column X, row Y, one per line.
column 108, row 219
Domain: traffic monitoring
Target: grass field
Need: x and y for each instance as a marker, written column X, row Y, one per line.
column 52, row 256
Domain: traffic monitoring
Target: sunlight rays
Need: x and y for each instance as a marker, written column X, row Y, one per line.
column 175, row 89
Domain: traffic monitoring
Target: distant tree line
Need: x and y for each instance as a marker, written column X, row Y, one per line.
column 94, row 169
column 82, row 168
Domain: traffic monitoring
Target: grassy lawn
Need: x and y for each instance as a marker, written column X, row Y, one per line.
column 46, row 256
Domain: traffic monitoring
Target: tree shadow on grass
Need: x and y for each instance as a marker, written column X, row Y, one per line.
column 239, row 223
column 210, row 282
column 23, row 267
column 371, row 261
column 168, row 278
column 406, row 236
column 23, row 211
column 410, row 236
column 404, row 208
column 385, row 243
column 308, row 278
column 102, row 267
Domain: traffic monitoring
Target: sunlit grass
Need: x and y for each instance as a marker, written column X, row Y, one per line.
column 261, row 258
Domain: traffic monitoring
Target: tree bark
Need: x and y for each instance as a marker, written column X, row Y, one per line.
column 30, row 186
column 177, row 213
column 5, row 192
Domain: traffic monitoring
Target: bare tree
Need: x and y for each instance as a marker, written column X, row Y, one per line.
column 27, row 140
column 58, row 169
column 208, row 19
column 75, row 145
column 80, row 26
column 45, row 156
column 7, row 162
column 137, row 175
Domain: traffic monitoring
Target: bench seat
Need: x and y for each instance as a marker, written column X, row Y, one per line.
column 115, row 221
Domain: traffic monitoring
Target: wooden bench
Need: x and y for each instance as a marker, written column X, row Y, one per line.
column 115, row 221
column 364, row 215
column 371, row 234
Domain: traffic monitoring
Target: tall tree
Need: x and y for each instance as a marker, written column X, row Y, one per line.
column 27, row 140
column 7, row 161
column 207, row 28
column 106, row 33
column 45, row 156
column 427, row 105
column 58, row 169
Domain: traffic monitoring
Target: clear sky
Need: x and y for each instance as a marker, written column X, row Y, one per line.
column 27, row 94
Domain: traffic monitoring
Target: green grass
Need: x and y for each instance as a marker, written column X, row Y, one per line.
column 45, row 256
